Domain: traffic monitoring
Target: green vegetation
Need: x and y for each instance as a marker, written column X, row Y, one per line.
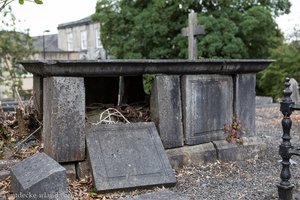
column 14, row 46
column 151, row 29
column 270, row 81
column 5, row 3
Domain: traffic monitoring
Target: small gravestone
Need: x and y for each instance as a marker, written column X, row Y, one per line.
column 39, row 177
column 295, row 90
column 160, row 195
column 127, row 156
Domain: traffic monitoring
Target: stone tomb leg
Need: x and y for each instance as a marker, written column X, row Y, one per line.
column 64, row 118
column 244, row 102
column 127, row 156
column 207, row 103
column 166, row 112
column 38, row 95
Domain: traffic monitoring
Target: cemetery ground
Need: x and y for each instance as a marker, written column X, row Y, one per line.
column 255, row 178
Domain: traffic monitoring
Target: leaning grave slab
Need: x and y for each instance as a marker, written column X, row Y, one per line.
column 240, row 81
column 127, row 156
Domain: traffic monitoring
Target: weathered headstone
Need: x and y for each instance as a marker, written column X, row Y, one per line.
column 127, row 156
column 39, row 177
column 191, row 31
column 166, row 110
column 64, row 118
column 160, row 195
column 207, row 105
column 295, row 90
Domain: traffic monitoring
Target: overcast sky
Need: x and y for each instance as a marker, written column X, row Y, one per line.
column 39, row 18
column 47, row 16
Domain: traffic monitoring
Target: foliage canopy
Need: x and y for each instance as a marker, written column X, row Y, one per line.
column 152, row 28
column 270, row 81
column 5, row 3
column 14, row 46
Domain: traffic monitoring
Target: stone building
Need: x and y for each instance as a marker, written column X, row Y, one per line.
column 75, row 40
column 83, row 37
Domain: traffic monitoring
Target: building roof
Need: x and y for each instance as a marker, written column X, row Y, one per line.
column 51, row 43
column 86, row 20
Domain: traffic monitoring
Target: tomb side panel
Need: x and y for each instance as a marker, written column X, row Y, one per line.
column 207, row 106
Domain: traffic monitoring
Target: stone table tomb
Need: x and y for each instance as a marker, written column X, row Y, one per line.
column 191, row 100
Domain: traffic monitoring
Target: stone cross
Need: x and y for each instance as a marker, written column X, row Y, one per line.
column 191, row 31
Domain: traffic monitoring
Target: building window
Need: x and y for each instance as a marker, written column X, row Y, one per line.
column 70, row 41
column 98, row 40
column 83, row 40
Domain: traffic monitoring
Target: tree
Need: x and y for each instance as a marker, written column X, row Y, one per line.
column 152, row 28
column 14, row 46
column 5, row 3
column 270, row 81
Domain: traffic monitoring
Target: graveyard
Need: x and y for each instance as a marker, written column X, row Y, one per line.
column 141, row 122
column 200, row 115
column 252, row 178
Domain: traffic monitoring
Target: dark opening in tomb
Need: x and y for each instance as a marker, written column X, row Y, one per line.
column 124, row 94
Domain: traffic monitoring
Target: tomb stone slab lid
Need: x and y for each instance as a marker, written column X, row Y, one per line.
column 94, row 68
column 127, row 156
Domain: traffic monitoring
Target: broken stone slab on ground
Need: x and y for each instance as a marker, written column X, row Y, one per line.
column 39, row 177
column 127, row 156
column 159, row 195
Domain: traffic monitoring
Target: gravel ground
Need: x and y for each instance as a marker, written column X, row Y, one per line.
column 250, row 179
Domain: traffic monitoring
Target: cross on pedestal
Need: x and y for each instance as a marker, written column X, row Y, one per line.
column 191, row 31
